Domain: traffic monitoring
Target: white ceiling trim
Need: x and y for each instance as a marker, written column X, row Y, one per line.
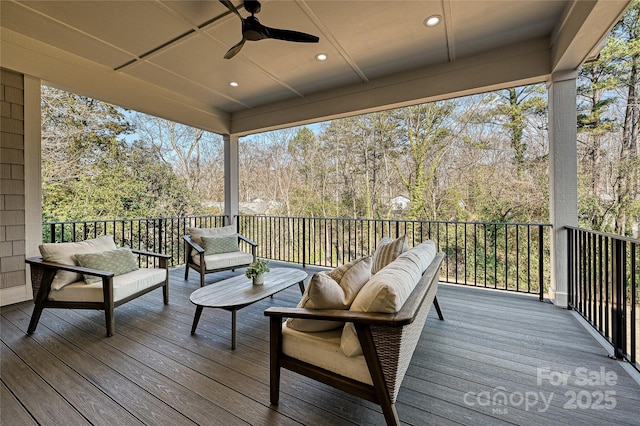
column 448, row 22
column 169, row 55
column 582, row 30
column 77, row 30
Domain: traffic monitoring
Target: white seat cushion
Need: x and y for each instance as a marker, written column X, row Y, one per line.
column 123, row 286
column 225, row 260
column 323, row 350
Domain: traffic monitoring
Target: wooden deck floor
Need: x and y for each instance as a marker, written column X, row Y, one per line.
column 491, row 347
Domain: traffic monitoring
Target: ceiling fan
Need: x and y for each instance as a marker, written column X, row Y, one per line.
column 253, row 30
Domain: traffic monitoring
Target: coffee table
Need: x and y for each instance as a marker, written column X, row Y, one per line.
column 235, row 293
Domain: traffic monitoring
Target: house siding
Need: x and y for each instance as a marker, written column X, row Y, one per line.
column 12, row 183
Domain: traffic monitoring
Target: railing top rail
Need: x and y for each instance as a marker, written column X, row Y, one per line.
column 606, row 234
column 132, row 219
column 398, row 220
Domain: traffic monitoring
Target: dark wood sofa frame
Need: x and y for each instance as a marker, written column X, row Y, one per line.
column 43, row 272
column 387, row 340
column 190, row 245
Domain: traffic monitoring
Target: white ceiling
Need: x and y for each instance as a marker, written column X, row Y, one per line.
column 166, row 57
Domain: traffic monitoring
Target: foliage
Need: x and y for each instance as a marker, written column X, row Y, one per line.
column 441, row 156
column 478, row 158
column 90, row 170
column 257, row 268
column 608, row 130
column 194, row 155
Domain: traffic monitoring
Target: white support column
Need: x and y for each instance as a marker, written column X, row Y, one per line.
column 231, row 178
column 32, row 166
column 563, row 177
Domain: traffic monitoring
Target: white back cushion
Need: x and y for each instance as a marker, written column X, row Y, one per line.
column 387, row 251
column 198, row 233
column 65, row 253
column 387, row 290
column 335, row 289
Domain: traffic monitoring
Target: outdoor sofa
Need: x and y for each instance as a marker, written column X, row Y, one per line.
column 359, row 336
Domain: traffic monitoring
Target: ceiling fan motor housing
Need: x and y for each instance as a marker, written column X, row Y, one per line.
column 252, row 6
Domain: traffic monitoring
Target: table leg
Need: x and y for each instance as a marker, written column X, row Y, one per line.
column 301, row 284
column 233, row 329
column 196, row 318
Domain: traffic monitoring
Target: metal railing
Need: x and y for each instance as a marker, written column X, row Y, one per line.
column 603, row 268
column 506, row 256
column 160, row 235
column 603, row 287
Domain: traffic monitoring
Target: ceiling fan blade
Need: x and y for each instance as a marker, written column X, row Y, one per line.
column 253, row 30
column 234, row 50
column 289, row 35
column 231, row 7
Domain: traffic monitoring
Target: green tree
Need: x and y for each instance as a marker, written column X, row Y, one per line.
column 595, row 128
column 90, row 171
column 609, row 127
column 514, row 107
column 311, row 194
column 194, row 155
column 424, row 141
column 625, row 48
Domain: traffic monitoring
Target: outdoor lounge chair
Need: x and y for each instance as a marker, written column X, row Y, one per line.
column 111, row 277
column 208, row 250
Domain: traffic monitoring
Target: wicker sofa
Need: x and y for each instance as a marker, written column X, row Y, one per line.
column 386, row 335
column 105, row 278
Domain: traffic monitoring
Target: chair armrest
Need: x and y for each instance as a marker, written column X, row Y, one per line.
column 243, row 238
column 39, row 262
column 370, row 318
column 44, row 282
column 195, row 246
column 163, row 259
column 151, row 254
column 254, row 246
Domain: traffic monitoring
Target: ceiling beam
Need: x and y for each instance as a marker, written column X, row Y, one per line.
column 581, row 30
column 79, row 75
column 520, row 64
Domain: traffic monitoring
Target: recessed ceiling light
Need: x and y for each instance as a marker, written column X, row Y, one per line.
column 233, row 84
column 321, row 56
column 433, row 20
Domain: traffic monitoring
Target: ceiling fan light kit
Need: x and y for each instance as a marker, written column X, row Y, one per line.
column 253, row 30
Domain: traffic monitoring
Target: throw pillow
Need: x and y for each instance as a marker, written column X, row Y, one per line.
column 387, row 251
column 64, row 253
column 219, row 244
column 388, row 290
column 335, row 289
column 119, row 261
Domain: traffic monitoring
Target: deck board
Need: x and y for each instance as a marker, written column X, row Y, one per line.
column 152, row 371
column 12, row 411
